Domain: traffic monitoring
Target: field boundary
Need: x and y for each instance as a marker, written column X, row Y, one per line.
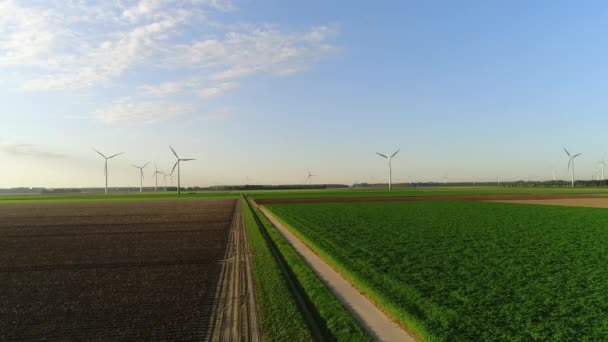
column 372, row 318
column 427, row 198
column 237, row 314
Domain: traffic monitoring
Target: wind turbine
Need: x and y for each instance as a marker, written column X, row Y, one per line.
column 310, row 175
column 571, row 162
column 141, row 175
column 179, row 160
column 155, row 174
column 603, row 163
column 390, row 181
column 105, row 169
column 165, row 177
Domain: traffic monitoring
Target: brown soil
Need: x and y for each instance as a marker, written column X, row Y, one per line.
column 111, row 270
column 569, row 202
column 433, row 198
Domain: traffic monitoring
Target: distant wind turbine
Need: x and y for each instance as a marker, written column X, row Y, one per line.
column 571, row 163
column 155, row 174
column 310, row 175
column 179, row 160
column 602, row 163
column 390, row 180
column 105, row 169
column 141, row 175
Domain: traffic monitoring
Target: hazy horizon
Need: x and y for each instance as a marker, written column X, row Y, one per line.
column 264, row 90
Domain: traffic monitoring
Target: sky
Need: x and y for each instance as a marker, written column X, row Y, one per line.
column 260, row 91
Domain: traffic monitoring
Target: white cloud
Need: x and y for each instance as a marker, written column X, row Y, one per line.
column 167, row 88
column 143, row 9
column 28, row 150
column 218, row 89
column 258, row 50
column 126, row 110
column 72, row 44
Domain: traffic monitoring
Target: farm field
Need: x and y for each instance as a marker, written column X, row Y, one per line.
column 135, row 196
column 111, row 270
column 466, row 270
column 444, row 191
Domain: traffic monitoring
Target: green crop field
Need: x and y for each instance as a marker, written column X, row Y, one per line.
column 463, row 270
column 443, row 191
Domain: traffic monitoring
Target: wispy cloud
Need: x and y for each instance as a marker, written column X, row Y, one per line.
column 78, row 44
column 126, row 110
column 28, row 150
column 218, row 89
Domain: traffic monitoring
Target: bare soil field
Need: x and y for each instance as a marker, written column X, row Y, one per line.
column 112, row 270
column 433, row 198
column 568, row 202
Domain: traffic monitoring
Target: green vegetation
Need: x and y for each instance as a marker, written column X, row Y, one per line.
column 118, row 197
column 337, row 322
column 281, row 317
column 463, row 270
column 446, row 191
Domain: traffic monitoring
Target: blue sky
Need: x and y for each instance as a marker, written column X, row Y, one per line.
column 267, row 89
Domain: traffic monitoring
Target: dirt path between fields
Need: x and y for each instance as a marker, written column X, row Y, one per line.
column 237, row 316
column 432, row 198
column 568, row 202
column 371, row 318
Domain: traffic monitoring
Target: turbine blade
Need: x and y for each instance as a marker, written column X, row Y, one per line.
column 381, row 155
column 146, row 164
column 576, row 155
column 117, row 154
column 174, row 166
column 101, row 154
column 394, row 154
column 569, row 161
column 568, row 153
column 186, row 159
column 172, row 150
column 135, row 166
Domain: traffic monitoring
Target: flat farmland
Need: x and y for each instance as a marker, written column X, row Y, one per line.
column 468, row 270
column 111, row 270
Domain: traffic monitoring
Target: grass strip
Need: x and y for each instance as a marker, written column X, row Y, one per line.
column 282, row 319
column 336, row 322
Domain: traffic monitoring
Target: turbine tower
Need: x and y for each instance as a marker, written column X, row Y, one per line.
column 602, row 163
column 179, row 160
column 571, row 163
column 105, row 169
column 141, row 175
column 310, row 175
column 390, row 180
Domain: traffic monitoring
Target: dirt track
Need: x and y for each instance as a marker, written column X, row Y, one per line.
column 115, row 270
column 432, row 198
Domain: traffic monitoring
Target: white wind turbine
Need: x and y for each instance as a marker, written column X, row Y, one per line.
column 141, row 175
column 571, row 163
column 155, row 174
column 165, row 178
column 105, row 169
column 390, row 180
column 177, row 165
column 310, row 175
column 602, row 163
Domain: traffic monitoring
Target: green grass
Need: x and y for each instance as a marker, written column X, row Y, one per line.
column 117, row 197
column 337, row 324
column 462, row 270
column 447, row 191
column 281, row 317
